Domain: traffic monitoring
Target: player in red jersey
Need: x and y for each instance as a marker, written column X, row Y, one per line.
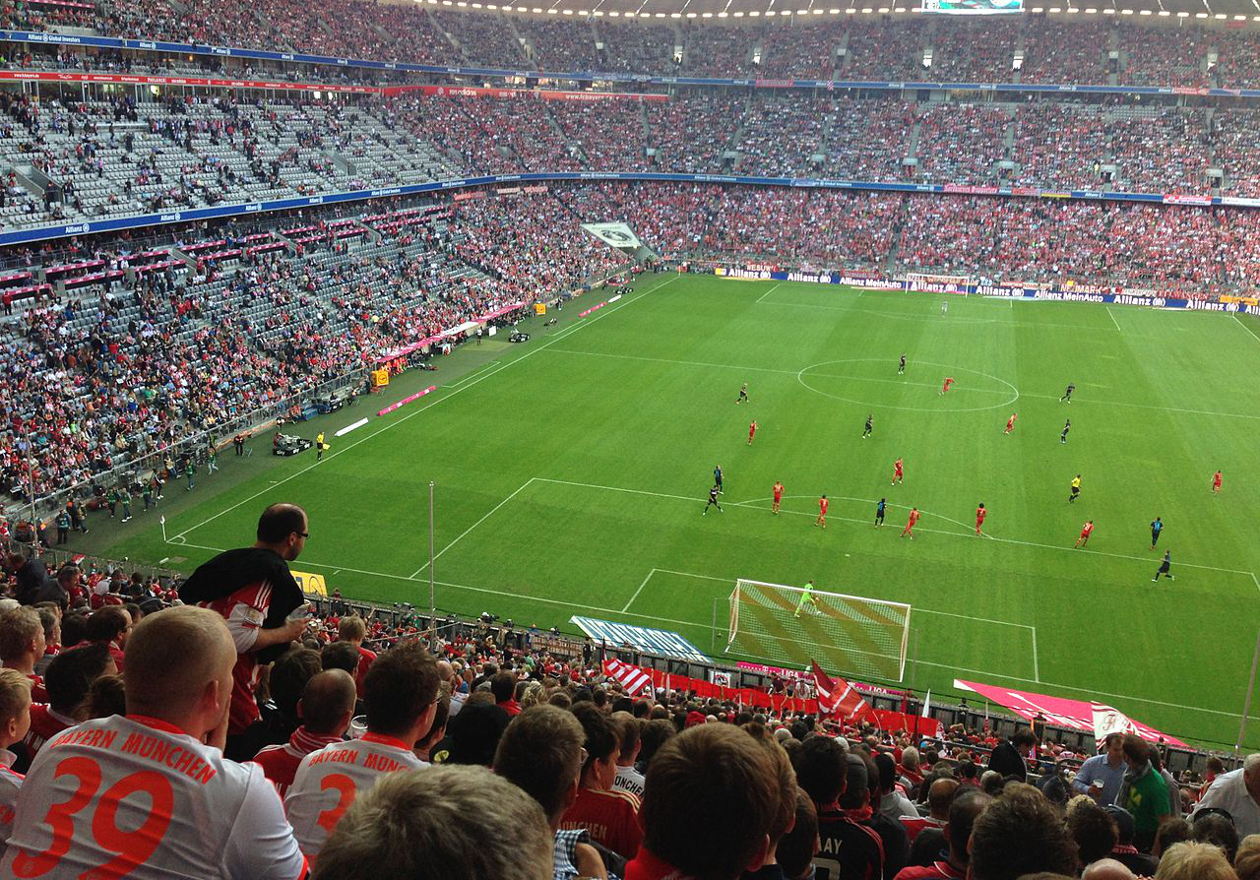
column 981, row 513
column 1216, row 483
column 909, row 529
column 949, row 380
column 898, row 473
column 822, row 512
column 778, row 496
column 1086, row 531
column 752, row 430
column 1010, row 423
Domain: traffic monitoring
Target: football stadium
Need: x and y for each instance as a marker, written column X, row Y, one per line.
column 642, row 440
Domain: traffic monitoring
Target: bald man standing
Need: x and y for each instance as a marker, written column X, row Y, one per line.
column 326, row 707
column 255, row 593
column 150, row 795
column 1107, row 869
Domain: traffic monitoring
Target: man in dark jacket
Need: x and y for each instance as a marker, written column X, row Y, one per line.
column 1008, row 757
column 254, row 591
column 33, row 583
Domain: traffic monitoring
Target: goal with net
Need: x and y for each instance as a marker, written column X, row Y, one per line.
column 929, row 283
column 850, row 634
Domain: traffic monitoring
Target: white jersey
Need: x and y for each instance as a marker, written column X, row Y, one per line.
column 10, row 783
column 327, row 782
column 139, row 798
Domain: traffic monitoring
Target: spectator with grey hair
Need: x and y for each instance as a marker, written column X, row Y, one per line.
column 1237, row 793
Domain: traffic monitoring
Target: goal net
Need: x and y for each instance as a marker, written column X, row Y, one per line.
column 929, row 283
column 850, row 634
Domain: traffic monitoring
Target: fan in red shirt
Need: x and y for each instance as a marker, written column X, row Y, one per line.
column 778, row 496
column 981, row 513
column 326, row 707
column 110, row 626
column 255, row 593
column 752, row 429
column 352, row 629
column 909, row 529
column 610, row 815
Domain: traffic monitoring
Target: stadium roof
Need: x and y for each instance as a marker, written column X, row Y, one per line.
column 1221, row 13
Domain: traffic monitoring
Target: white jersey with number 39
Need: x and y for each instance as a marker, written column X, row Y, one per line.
column 138, row 798
column 327, row 782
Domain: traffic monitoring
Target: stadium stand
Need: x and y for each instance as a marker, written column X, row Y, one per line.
column 130, row 358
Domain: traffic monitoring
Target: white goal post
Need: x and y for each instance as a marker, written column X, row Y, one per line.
column 792, row 625
column 929, row 283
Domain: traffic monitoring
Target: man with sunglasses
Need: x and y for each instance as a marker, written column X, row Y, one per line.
column 255, row 593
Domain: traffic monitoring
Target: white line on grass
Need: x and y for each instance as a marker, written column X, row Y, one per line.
column 1243, row 324
column 745, row 368
column 1256, row 579
column 1113, row 319
column 563, row 334
column 1036, row 665
column 485, row 517
column 768, row 292
column 744, row 504
column 562, row 603
column 626, row 607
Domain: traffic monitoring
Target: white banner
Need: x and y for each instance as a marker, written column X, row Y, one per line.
column 617, row 235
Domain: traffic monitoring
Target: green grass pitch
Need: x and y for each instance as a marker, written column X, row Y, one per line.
column 571, row 474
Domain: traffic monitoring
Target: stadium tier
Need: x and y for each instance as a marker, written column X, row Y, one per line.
column 805, row 243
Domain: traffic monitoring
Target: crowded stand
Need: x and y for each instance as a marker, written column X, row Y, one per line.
column 225, row 723
column 1060, row 146
column 981, row 51
column 1052, row 46
column 800, row 51
column 533, row 749
column 1163, row 57
column 637, row 48
column 961, row 144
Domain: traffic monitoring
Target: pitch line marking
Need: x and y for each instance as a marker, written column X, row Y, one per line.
column 913, row 608
column 1036, row 665
column 1242, row 324
column 636, row 357
column 1113, row 319
column 640, row 590
column 563, row 334
column 566, row 604
column 1087, row 401
column 866, row 522
column 465, row 532
column 768, row 292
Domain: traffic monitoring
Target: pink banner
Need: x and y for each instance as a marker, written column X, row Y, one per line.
column 419, row 344
column 406, row 400
column 592, row 309
column 1057, row 711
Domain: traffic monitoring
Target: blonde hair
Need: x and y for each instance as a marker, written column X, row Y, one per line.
column 18, row 628
column 453, row 822
column 15, row 694
column 171, row 656
column 1194, row 861
column 1247, row 862
column 351, row 628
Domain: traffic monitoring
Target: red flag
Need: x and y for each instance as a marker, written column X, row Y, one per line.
column 837, row 696
column 632, row 678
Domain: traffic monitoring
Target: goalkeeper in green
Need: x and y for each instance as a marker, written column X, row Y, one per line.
column 807, row 598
